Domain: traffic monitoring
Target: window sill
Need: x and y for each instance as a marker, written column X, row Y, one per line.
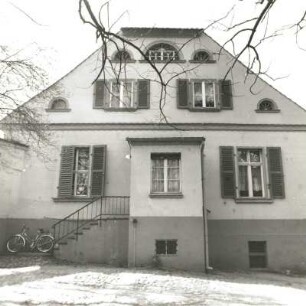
column 164, row 62
column 254, row 201
column 175, row 195
column 202, row 62
column 267, row 111
column 64, row 110
column 123, row 61
column 120, row 109
column 72, row 199
column 204, row 109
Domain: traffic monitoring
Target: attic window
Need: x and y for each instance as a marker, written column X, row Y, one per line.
column 162, row 53
column 58, row 105
column 122, row 56
column 201, row 56
column 267, row 106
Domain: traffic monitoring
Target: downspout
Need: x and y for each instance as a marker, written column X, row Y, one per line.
column 205, row 226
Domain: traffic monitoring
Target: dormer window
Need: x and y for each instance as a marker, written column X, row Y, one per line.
column 267, row 106
column 162, row 53
column 201, row 56
column 58, row 105
column 122, row 56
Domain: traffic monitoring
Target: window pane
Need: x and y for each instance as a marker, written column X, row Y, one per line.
column 160, row 246
column 197, row 94
column 256, row 181
column 243, row 181
column 242, row 156
column 83, row 158
column 258, row 261
column 171, row 246
column 115, row 95
column 255, row 155
column 82, row 183
column 209, row 94
column 173, row 185
column 257, row 246
column 127, row 94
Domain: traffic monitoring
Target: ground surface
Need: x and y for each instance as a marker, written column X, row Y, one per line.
column 33, row 280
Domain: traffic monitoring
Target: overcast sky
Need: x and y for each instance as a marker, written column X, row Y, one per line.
column 57, row 28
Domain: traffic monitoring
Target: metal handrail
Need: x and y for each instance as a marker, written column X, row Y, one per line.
column 92, row 211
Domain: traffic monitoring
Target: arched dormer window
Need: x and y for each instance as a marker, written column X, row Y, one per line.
column 58, row 105
column 162, row 52
column 122, row 56
column 266, row 106
column 202, row 56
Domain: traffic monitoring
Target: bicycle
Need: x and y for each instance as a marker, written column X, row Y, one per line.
column 43, row 242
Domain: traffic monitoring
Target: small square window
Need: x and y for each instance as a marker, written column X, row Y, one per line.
column 257, row 254
column 166, row 247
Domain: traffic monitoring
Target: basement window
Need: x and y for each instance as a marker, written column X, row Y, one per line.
column 166, row 247
column 258, row 254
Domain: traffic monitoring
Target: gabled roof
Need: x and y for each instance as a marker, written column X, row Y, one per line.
column 161, row 32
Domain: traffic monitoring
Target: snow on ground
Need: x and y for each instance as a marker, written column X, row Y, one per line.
column 58, row 284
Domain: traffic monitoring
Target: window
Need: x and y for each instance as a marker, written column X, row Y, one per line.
column 201, row 56
column 166, row 247
column 82, row 171
column 250, row 173
column 58, row 105
column 122, row 56
column 257, row 254
column 165, row 173
column 204, row 94
column 121, row 94
column 266, row 106
column 162, row 52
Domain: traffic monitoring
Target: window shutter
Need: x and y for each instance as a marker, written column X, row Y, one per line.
column 275, row 167
column 227, row 167
column 182, row 93
column 226, row 96
column 100, row 92
column 66, row 172
column 143, row 93
column 98, row 170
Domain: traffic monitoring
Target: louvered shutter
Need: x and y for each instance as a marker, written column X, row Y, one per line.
column 143, row 93
column 100, row 93
column 66, row 172
column 226, row 96
column 227, row 167
column 98, row 170
column 275, row 168
column 182, row 93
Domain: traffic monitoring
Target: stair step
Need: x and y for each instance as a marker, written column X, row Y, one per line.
column 85, row 228
column 94, row 223
column 79, row 233
column 72, row 238
column 63, row 242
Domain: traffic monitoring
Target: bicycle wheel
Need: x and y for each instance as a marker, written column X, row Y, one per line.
column 15, row 244
column 44, row 243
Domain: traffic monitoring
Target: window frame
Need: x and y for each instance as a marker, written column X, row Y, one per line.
column 266, row 194
column 203, row 91
column 253, row 254
column 122, row 83
column 274, row 109
column 166, row 241
column 76, row 172
column 166, row 158
column 58, row 110
column 162, row 50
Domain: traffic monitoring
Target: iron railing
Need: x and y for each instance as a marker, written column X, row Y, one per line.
column 95, row 210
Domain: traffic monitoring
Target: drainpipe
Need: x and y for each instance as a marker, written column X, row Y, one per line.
column 205, row 226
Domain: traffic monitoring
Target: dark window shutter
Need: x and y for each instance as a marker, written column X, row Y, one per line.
column 143, row 93
column 66, row 172
column 182, row 93
column 275, row 167
column 100, row 92
column 98, row 170
column 226, row 96
column 227, row 167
